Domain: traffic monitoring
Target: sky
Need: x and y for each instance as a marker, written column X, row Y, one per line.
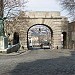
column 44, row 5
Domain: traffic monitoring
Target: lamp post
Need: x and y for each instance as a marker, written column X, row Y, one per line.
column 39, row 35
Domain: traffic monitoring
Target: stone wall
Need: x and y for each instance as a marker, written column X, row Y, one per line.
column 71, row 35
column 22, row 23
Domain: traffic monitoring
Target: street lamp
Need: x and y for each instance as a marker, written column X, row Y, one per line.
column 39, row 35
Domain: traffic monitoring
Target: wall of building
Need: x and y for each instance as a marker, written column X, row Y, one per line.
column 71, row 35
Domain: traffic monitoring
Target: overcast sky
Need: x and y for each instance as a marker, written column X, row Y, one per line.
column 44, row 5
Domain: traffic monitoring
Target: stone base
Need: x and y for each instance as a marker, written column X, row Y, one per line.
column 3, row 43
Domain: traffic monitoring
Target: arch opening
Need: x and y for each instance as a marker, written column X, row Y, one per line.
column 16, row 38
column 64, row 39
column 39, row 36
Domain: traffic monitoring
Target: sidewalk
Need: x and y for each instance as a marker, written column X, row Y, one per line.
column 15, row 53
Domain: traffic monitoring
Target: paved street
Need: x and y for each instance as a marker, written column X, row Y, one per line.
column 39, row 62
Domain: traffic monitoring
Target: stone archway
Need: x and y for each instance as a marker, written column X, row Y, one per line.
column 53, row 20
column 41, row 34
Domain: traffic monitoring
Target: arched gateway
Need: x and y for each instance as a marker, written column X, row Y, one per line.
column 39, row 36
column 58, row 25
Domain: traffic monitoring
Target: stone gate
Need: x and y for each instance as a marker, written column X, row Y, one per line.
column 57, row 23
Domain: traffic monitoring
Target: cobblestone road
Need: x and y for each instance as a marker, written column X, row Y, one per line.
column 39, row 62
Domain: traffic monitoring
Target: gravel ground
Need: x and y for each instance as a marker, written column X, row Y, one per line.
column 39, row 62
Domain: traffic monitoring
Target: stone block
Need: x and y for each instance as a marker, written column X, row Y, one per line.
column 3, row 42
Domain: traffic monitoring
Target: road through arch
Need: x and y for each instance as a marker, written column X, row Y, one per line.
column 39, row 36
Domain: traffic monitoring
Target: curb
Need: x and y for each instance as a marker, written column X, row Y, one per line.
column 15, row 53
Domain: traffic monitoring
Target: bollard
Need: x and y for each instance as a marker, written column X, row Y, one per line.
column 57, row 47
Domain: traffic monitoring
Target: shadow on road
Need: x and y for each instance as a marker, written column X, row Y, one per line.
column 56, row 66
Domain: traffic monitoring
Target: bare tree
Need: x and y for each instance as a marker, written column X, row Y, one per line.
column 8, row 9
column 12, row 7
column 69, row 5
